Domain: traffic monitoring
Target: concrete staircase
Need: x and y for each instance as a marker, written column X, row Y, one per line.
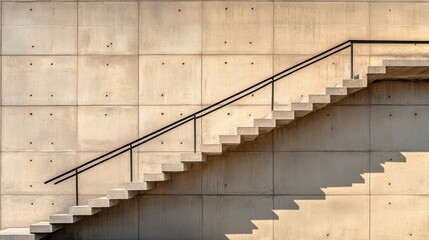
column 392, row 69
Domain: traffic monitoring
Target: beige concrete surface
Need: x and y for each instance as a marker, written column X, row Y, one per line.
column 170, row 80
column 170, row 27
column 108, row 28
column 108, row 80
column 323, row 177
column 34, row 80
column 39, row 28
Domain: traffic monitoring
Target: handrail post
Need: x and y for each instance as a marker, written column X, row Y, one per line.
column 272, row 94
column 351, row 61
column 77, row 188
column 195, row 133
column 131, row 162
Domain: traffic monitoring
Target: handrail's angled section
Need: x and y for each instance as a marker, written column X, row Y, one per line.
column 224, row 102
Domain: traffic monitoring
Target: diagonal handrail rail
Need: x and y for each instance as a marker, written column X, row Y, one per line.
column 222, row 103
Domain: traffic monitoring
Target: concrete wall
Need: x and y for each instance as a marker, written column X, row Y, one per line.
column 79, row 78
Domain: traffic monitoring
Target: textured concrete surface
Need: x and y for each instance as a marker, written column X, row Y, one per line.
column 110, row 71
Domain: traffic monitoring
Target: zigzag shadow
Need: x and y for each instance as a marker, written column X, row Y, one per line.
column 237, row 195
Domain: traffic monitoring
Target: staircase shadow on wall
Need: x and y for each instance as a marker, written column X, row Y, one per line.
column 127, row 220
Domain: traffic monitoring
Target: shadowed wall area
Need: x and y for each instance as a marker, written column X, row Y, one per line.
column 355, row 170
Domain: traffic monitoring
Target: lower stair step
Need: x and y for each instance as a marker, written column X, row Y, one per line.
column 19, row 234
column 102, row 202
column 211, row 149
column 192, row 157
column 120, row 194
column 63, row 219
column 156, row 177
column 336, row 93
column 264, row 125
column 301, row 108
column 248, row 133
column 139, row 186
column 175, row 167
column 230, row 140
column 44, row 227
column 84, row 210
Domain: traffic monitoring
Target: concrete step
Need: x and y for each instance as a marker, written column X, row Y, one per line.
column 192, row 157
column 376, row 70
column 264, row 124
column 405, row 63
column 120, row 194
column 63, row 218
column 84, row 210
column 230, row 140
column 301, row 108
column 140, row 186
column 176, row 167
column 102, row 202
column 355, row 83
column 211, row 149
column 19, row 234
column 319, row 100
column 156, row 177
column 282, row 117
column 44, row 227
column 336, row 93
column 248, row 133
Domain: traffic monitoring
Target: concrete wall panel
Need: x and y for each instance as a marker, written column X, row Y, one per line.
column 237, row 28
column 329, row 72
column 310, row 28
column 26, row 172
column 39, row 28
column 335, row 128
column 170, row 79
column 108, row 80
column 55, row 131
column 235, row 73
column 399, row 93
column 153, row 118
column 321, row 173
column 225, row 215
column 23, row 210
column 104, row 128
column 111, row 174
column 170, row 27
column 189, row 182
column 220, row 174
column 386, row 167
column 163, row 212
column 336, row 217
column 39, row 80
column 226, row 120
column 108, row 28
column 399, row 217
column 391, row 128
column 399, row 21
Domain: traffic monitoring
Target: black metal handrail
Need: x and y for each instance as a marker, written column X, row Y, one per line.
column 218, row 105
